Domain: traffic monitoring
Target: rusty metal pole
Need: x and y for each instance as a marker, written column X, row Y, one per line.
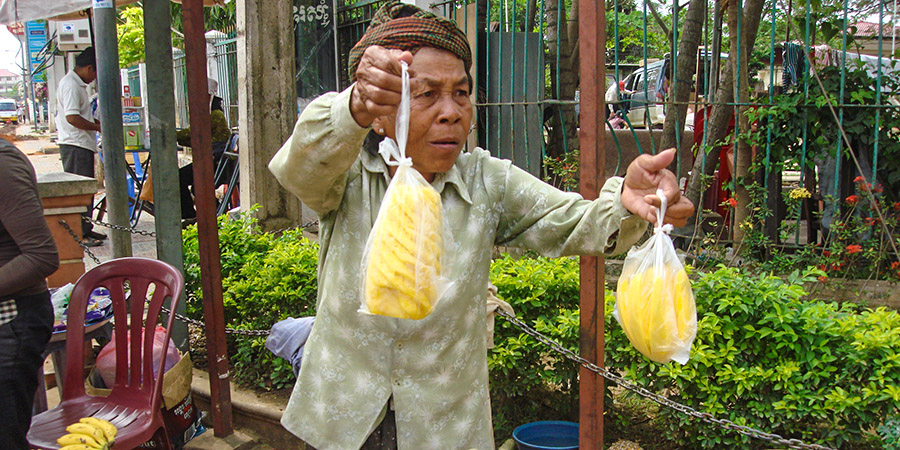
column 592, row 48
column 208, row 233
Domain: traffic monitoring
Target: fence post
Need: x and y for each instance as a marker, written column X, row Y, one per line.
column 109, row 85
column 210, row 264
column 592, row 48
column 267, row 106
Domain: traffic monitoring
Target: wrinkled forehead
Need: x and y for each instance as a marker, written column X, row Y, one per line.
column 436, row 67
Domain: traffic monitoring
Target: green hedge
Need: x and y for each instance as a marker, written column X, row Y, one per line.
column 265, row 278
column 764, row 356
column 528, row 382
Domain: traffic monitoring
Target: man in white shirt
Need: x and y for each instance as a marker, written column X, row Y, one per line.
column 76, row 128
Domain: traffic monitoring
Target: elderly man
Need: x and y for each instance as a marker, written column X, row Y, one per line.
column 378, row 382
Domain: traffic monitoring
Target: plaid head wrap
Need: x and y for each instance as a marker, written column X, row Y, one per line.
column 402, row 26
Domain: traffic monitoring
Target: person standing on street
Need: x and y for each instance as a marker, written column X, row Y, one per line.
column 76, row 127
column 27, row 256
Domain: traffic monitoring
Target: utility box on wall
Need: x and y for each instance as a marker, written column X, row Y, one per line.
column 73, row 35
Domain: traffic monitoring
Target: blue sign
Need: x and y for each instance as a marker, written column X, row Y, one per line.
column 131, row 117
column 36, row 36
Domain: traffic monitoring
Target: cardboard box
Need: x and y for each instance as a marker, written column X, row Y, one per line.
column 179, row 413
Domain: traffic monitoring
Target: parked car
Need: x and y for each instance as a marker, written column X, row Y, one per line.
column 646, row 107
column 8, row 111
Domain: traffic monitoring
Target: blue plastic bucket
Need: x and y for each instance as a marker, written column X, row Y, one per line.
column 547, row 435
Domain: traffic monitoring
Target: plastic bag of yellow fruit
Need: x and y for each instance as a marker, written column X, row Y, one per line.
column 654, row 302
column 401, row 265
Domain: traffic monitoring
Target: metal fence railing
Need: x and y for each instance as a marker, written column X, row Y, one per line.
column 223, row 69
column 527, row 93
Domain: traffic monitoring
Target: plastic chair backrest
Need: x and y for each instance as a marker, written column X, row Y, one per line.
column 226, row 160
column 134, row 356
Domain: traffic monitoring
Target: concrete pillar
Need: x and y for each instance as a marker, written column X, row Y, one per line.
column 157, row 86
column 64, row 197
column 267, row 105
column 110, row 88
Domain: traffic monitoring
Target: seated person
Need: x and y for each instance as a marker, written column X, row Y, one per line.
column 220, row 135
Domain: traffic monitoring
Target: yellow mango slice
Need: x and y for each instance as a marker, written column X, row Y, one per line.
column 657, row 311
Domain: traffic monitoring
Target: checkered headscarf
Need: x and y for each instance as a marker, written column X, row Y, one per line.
column 402, row 26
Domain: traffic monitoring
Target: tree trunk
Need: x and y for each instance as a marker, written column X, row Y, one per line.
column 691, row 33
column 742, row 155
column 716, row 126
column 564, row 122
column 530, row 13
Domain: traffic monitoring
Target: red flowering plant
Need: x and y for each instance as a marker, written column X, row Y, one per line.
column 859, row 240
column 562, row 171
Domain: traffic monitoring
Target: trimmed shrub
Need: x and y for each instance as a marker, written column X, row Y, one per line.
column 765, row 358
column 265, row 278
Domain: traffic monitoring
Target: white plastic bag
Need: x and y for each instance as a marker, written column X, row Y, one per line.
column 60, row 301
column 401, row 265
column 654, row 302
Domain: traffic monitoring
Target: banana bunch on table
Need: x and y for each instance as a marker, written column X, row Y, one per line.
column 89, row 433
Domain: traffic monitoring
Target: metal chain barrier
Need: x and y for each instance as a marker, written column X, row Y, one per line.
column 569, row 354
column 121, row 228
column 294, row 227
column 643, row 392
column 200, row 324
column 78, row 241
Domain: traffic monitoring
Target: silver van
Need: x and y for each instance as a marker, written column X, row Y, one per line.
column 646, row 107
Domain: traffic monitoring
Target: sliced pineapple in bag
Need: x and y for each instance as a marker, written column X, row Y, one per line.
column 654, row 302
column 401, row 265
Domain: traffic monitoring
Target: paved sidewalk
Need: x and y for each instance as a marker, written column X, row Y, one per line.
column 46, row 163
column 44, row 156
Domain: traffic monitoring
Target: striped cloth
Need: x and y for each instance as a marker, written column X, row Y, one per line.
column 7, row 311
column 794, row 64
column 402, row 26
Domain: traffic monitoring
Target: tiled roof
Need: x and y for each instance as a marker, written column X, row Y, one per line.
column 869, row 29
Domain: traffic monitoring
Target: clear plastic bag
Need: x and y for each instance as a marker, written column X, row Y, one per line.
column 654, row 302
column 401, row 265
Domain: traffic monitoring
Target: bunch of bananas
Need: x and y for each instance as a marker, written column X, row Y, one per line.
column 89, row 433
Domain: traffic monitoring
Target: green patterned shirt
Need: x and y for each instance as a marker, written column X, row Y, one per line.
column 435, row 368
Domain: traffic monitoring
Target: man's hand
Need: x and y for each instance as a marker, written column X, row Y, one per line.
column 645, row 175
column 378, row 84
column 81, row 123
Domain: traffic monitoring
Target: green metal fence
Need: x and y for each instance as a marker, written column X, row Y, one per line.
column 224, row 56
column 527, row 93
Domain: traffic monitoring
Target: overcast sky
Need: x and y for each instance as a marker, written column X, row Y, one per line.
column 9, row 51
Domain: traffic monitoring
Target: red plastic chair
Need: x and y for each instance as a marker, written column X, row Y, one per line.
column 133, row 406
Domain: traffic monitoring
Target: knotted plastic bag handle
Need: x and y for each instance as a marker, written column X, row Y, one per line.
column 394, row 154
column 661, row 213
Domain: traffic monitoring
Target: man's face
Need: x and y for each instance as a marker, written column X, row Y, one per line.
column 440, row 111
column 87, row 73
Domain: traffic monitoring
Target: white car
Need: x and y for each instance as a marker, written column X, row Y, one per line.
column 9, row 112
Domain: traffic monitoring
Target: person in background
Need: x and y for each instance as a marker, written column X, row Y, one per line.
column 27, row 256
column 377, row 382
column 220, row 135
column 77, row 130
